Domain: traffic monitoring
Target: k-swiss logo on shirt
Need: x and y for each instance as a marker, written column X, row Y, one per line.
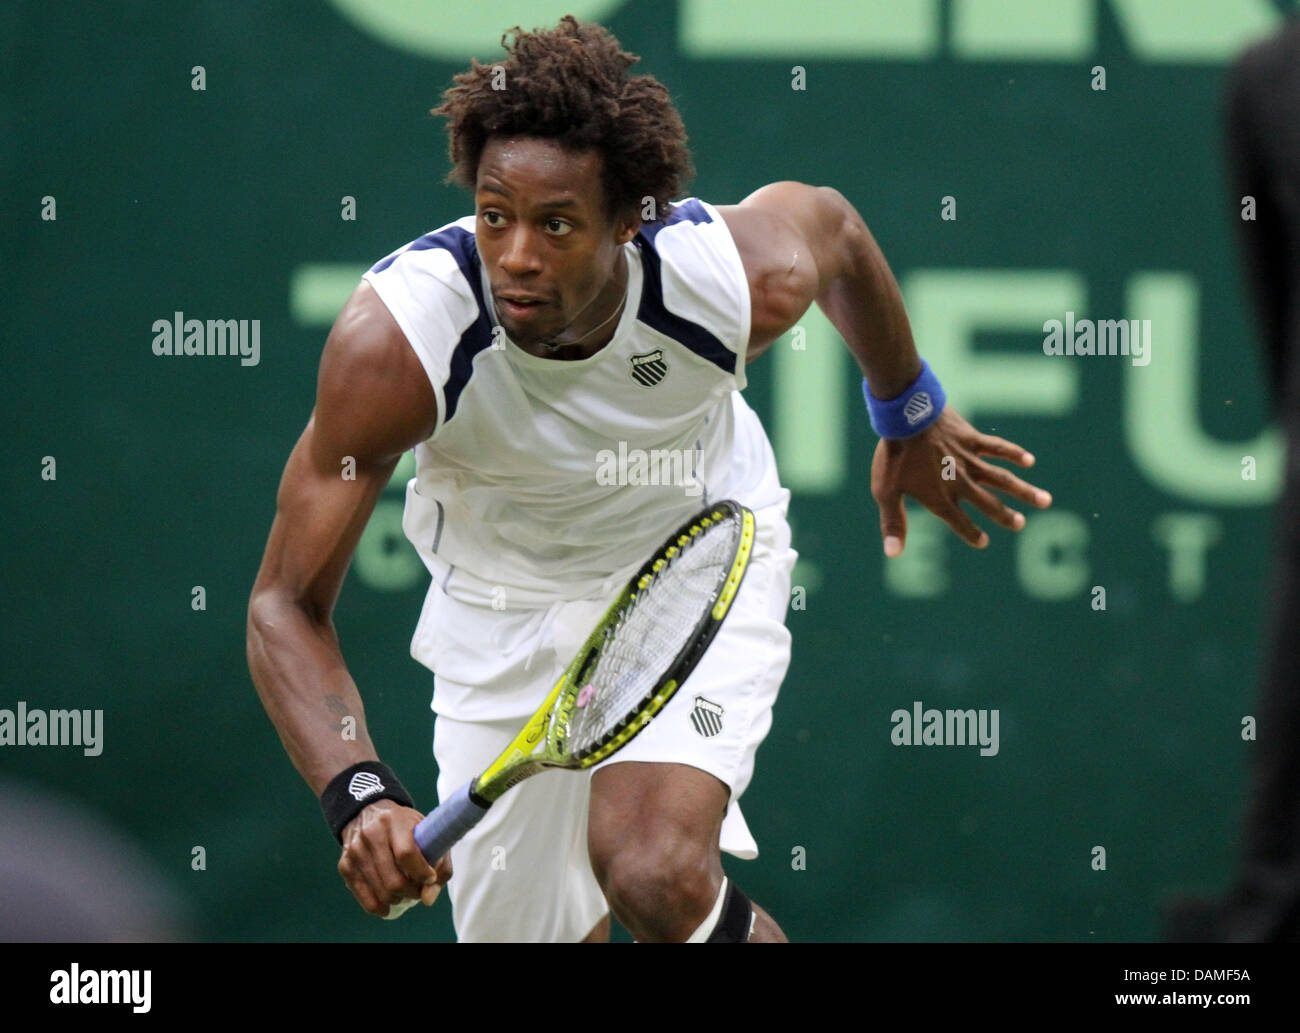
column 650, row 368
column 706, row 717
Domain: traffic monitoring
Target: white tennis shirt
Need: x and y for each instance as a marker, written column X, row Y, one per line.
column 548, row 480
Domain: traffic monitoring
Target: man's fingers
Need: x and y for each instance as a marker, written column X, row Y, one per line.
column 410, row 860
column 388, row 880
column 359, row 883
column 441, row 873
column 893, row 523
column 429, row 878
column 371, row 872
column 992, row 506
column 990, row 445
column 1005, row 480
column 385, row 883
column 956, row 518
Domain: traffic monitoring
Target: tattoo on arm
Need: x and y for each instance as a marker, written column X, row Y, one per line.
column 337, row 707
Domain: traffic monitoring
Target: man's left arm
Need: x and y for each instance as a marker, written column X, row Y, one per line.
column 801, row 244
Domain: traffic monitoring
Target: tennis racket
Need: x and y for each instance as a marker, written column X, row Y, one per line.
column 641, row 652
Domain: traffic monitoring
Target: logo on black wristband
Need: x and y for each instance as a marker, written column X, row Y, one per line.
column 363, row 784
column 352, row 791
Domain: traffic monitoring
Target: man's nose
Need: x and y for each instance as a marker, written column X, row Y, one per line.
column 521, row 254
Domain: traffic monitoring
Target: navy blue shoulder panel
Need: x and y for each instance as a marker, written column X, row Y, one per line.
column 463, row 248
column 653, row 312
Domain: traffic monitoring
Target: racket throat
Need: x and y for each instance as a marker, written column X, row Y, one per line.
column 477, row 798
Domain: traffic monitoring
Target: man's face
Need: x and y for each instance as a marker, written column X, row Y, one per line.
column 545, row 237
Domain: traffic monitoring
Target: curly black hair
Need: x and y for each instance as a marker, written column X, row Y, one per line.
column 571, row 84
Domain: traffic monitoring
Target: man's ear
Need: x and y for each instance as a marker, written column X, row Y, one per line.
column 626, row 226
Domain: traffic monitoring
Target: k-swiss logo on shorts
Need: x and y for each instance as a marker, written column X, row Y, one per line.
column 706, row 717
column 650, row 368
column 363, row 784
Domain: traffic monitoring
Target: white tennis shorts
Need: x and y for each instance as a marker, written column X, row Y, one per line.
column 523, row 874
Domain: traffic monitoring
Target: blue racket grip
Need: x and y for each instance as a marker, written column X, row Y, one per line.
column 442, row 827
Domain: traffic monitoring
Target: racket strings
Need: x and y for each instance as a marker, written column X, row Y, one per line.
column 650, row 632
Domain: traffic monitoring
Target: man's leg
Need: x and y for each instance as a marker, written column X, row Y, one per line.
column 522, row 874
column 664, row 806
column 653, row 832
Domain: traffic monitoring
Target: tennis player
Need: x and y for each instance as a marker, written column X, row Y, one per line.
column 567, row 363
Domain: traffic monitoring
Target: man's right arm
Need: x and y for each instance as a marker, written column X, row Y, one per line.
column 373, row 402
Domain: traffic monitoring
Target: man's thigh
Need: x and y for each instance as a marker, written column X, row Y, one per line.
column 523, row 873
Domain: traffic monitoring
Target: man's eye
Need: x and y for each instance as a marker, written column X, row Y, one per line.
column 558, row 227
column 489, row 216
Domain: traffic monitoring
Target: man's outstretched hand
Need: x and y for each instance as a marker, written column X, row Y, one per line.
column 939, row 468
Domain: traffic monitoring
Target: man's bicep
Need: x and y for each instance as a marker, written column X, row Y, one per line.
column 373, row 403
column 781, row 238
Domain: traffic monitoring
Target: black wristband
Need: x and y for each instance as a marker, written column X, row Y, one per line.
column 356, row 788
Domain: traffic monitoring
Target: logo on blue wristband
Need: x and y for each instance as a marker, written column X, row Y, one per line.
column 912, row 411
column 918, row 407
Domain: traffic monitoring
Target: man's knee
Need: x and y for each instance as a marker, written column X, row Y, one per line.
column 659, row 887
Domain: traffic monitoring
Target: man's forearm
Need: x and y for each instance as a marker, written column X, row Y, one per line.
column 306, row 690
column 864, row 304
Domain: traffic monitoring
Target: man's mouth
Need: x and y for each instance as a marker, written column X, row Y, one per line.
column 520, row 306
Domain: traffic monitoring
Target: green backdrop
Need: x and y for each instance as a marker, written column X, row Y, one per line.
column 1120, row 728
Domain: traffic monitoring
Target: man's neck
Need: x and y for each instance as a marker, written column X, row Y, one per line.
column 594, row 331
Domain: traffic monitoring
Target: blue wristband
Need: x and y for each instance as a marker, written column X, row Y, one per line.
column 911, row 412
